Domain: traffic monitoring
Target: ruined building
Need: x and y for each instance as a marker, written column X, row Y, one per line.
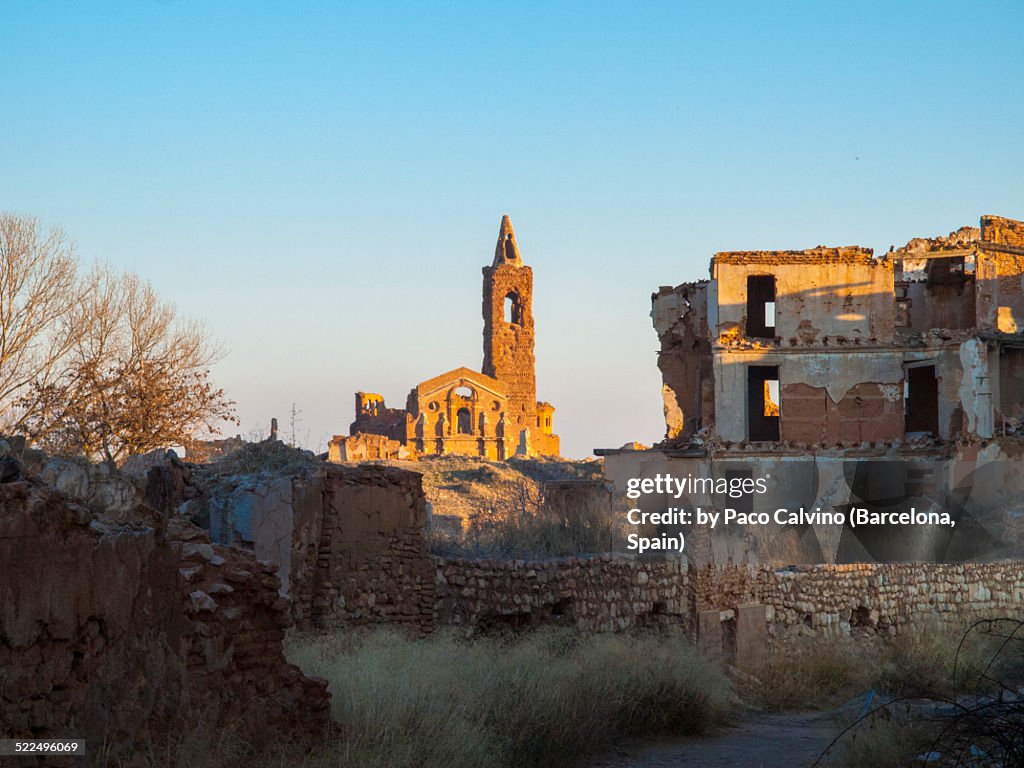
column 493, row 413
column 834, row 346
column 842, row 380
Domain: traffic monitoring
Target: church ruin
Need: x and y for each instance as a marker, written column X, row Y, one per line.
column 493, row 413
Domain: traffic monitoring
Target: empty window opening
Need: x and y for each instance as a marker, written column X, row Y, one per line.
column 763, row 402
column 921, row 400
column 761, row 306
column 771, row 397
column 510, row 248
column 465, row 422
column 513, row 309
column 465, row 392
column 1011, row 384
column 945, row 271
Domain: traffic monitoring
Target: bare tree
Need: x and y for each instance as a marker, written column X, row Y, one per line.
column 39, row 291
column 96, row 364
column 136, row 377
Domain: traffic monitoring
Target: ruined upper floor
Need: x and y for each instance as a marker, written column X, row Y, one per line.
column 835, row 345
column 969, row 280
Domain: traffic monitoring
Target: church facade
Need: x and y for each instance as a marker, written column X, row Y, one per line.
column 492, row 413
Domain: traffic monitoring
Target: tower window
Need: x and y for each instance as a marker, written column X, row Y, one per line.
column 513, row 309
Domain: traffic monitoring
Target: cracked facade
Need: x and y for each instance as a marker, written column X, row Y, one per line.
column 834, row 347
column 493, row 413
column 893, row 383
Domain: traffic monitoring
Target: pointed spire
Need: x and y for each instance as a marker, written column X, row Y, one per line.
column 507, row 251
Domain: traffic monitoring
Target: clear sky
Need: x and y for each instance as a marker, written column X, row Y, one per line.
column 322, row 182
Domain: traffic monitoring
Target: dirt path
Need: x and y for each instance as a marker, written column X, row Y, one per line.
column 792, row 740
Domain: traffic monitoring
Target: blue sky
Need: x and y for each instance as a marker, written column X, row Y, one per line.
column 322, row 182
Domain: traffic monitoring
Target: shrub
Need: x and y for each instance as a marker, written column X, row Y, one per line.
column 540, row 700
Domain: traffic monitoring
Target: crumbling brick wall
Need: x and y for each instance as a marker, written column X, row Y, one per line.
column 372, row 561
column 348, row 539
column 1002, row 231
column 684, row 359
column 233, row 639
column 122, row 631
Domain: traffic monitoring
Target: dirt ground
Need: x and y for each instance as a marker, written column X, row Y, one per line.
column 787, row 740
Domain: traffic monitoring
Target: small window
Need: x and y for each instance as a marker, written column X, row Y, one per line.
column 763, row 402
column 513, row 309
column 921, row 399
column 510, row 248
column 761, row 306
column 771, row 397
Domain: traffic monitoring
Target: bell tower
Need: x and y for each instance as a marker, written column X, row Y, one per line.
column 508, row 328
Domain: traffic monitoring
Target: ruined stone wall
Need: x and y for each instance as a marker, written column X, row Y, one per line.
column 610, row 593
column 372, row 562
column 595, row 594
column 348, row 539
column 232, row 641
column 680, row 317
column 366, row 447
column 942, row 305
column 389, row 422
column 882, row 598
column 129, row 631
column 1002, row 231
column 1000, row 278
column 847, row 395
column 823, row 294
column 868, row 412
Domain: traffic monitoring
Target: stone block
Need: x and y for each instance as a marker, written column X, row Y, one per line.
column 751, row 635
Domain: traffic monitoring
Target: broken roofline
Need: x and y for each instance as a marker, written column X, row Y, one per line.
column 847, row 254
column 826, row 314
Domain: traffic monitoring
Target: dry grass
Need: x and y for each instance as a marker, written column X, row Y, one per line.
column 811, row 674
column 884, row 742
column 548, row 698
column 544, row 699
column 822, row 673
column 553, row 697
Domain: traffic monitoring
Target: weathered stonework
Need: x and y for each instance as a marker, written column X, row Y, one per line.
column 832, row 346
column 609, row 593
column 131, row 630
column 372, row 562
column 493, row 413
column 508, row 329
column 597, row 594
column 348, row 539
